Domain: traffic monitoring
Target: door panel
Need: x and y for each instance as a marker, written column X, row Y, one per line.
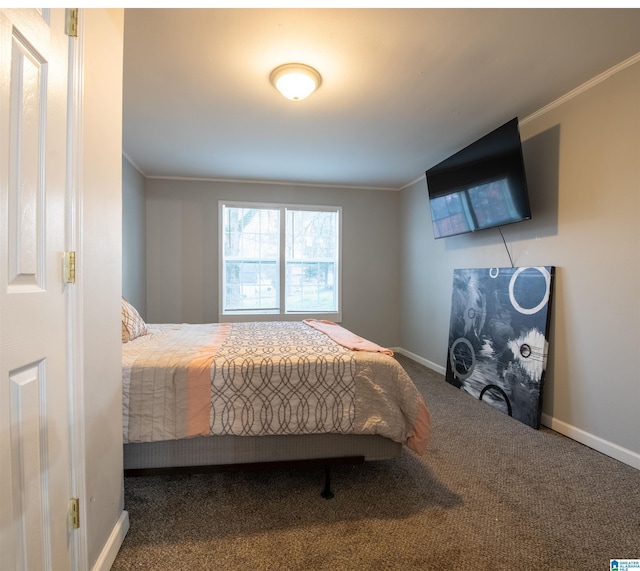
column 26, row 165
column 34, row 427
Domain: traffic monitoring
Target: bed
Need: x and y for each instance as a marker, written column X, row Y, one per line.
column 198, row 397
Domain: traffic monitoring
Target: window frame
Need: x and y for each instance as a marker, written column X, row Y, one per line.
column 279, row 314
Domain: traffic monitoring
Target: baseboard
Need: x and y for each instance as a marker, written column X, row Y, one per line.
column 608, row 448
column 111, row 548
column 418, row 359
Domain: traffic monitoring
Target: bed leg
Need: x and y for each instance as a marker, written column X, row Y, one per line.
column 327, row 494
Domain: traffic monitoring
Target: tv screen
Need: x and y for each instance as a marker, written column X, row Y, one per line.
column 481, row 186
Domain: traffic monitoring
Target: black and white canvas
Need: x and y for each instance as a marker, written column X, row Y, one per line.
column 498, row 337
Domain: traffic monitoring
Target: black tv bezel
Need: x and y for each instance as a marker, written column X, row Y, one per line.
column 506, row 136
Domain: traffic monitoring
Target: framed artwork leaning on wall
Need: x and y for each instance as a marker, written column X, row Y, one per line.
column 499, row 337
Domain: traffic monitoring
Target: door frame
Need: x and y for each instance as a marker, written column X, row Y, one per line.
column 75, row 348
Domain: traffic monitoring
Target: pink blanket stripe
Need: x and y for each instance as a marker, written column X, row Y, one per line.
column 199, row 384
column 421, row 430
column 345, row 337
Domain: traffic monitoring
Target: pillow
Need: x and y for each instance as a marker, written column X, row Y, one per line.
column 132, row 324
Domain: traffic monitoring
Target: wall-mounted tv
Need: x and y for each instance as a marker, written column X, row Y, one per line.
column 482, row 186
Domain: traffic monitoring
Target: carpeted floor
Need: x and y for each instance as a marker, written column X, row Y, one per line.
column 489, row 494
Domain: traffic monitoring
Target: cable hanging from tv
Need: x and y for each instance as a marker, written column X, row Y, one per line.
column 505, row 246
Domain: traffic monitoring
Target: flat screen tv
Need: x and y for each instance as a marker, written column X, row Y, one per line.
column 482, row 186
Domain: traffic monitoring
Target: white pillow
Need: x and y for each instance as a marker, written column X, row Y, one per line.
column 132, row 324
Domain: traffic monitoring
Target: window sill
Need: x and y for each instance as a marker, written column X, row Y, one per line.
column 237, row 317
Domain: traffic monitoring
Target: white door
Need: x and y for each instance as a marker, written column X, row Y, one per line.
column 35, row 530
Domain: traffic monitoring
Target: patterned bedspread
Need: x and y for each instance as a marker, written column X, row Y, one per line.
column 181, row 381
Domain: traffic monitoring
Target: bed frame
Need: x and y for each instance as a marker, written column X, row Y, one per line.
column 228, row 453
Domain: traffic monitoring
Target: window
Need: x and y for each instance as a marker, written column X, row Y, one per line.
column 279, row 259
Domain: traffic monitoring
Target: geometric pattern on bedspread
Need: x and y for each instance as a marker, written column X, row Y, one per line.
column 281, row 378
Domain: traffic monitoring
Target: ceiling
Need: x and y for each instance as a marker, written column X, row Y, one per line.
column 402, row 89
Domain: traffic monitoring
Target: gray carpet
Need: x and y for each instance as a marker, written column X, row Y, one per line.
column 489, row 494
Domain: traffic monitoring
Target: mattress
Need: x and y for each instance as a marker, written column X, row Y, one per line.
column 250, row 385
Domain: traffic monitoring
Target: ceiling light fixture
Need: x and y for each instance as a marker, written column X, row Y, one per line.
column 295, row 81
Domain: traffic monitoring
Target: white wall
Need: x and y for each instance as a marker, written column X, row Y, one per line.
column 182, row 250
column 100, row 271
column 134, row 231
column 582, row 157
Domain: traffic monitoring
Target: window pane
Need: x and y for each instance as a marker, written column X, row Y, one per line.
column 251, row 258
column 251, row 284
column 311, row 261
column 310, row 286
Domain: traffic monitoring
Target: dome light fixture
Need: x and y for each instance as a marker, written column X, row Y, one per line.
column 295, row 81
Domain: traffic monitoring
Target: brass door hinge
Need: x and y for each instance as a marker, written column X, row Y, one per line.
column 71, row 22
column 69, row 267
column 75, row 513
